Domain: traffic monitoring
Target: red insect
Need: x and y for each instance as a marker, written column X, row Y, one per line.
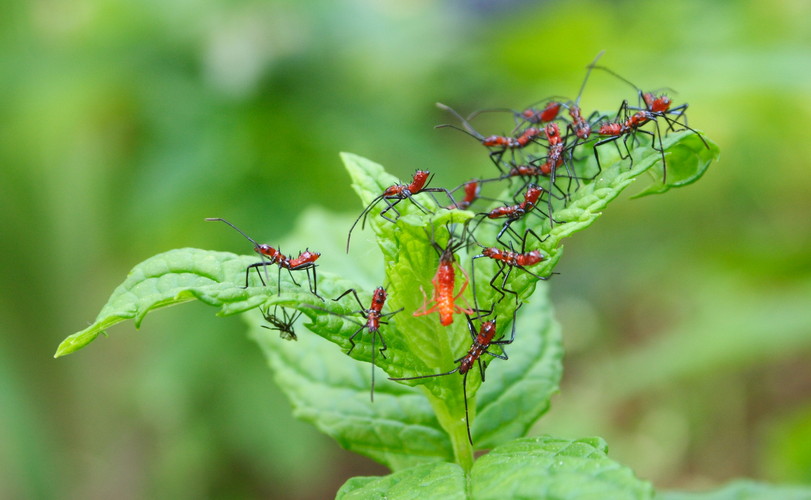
column 655, row 107
column 472, row 189
column 554, row 159
column 660, row 104
column 554, row 155
column 304, row 262
column 283, row 324
column 544, row 115
column 515, row 212
column 482, row 341
column 507, row 261
column 395, row 194
column 444, row 299
column 504, row 143
column 373, row 316
column 629, row 127
column 531, row 114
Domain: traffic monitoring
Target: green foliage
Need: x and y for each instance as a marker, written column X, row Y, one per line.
column 528, row 468
column 416, row 432
column 744, row 490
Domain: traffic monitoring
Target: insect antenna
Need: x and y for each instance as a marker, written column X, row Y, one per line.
column 256, row 247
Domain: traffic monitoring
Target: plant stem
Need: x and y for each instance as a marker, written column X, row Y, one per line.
column 451, row 416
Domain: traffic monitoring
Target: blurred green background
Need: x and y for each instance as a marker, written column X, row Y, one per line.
column 687, row 316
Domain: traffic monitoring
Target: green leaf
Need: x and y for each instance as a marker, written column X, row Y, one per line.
column 399, row 429
column 434, row 481
column 411, row 262
column 518, row 391
column 172, row 278
column 405, row 427
column 687, row 160
column 744, row 490
column 528, row 468
column 547, row 467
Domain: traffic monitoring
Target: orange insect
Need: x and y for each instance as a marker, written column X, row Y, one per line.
column 444, row 300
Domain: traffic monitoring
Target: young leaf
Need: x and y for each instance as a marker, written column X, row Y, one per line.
column 547, row 467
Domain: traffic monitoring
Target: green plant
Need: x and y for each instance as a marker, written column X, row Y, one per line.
column 419, row 433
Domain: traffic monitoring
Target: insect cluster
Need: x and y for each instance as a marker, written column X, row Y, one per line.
column 539, row 164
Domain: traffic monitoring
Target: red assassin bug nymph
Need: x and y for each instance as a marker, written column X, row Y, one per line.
column 481, row 344
column 471, row 188
column 398, row 193
column 373, row 316
column 658, row 105
column 515, row 212
column 445, row 302
column 524, row 139
column 530, row 114
column 655, row 107
column 304, row 262
column 507, row 261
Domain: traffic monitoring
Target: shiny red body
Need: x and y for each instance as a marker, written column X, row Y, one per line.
column 514, row 258
column 405, row 190
column 374, row 313
column 472, row 190
column 633, row 122
column 304, row 258
column 519, row 142
column 525, row 171
column 547, row 114
column 554, row 155
column 531, row 197
column 444, row 282
column 611, row 129
column 516, row 211
column 580, row 125
column 479, row 347
column 655, row 104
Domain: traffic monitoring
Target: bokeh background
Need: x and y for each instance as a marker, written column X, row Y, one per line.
column 687, row 317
